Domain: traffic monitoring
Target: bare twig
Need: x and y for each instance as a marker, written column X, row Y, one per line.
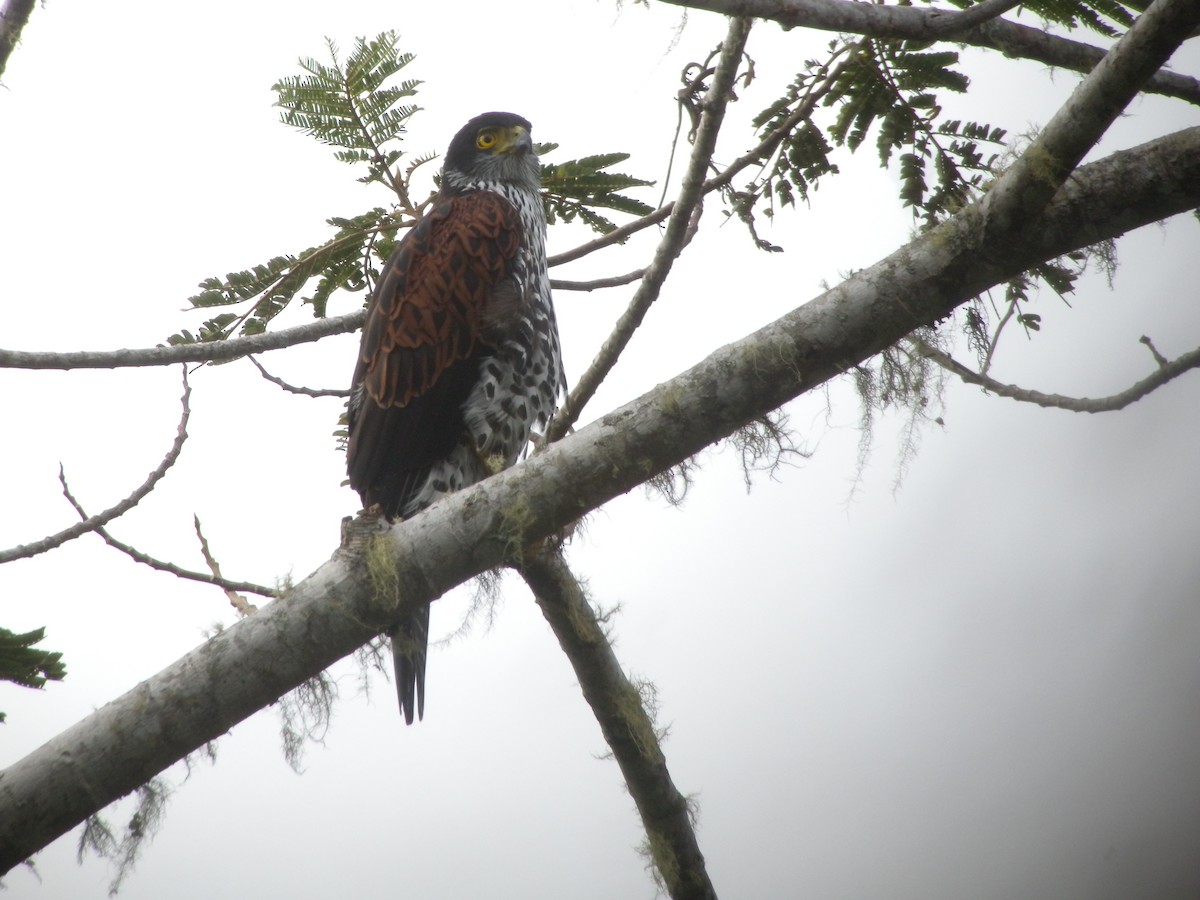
column 94, row 522
column 170, row 568
column 616, row 236
column 995, row 341
column 303, row 391
column 1158, row 357
column 1167, row 371
column 681, row 225
column 236, row 600
column 623, row 719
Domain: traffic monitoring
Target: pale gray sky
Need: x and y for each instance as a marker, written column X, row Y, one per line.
column 981, row 685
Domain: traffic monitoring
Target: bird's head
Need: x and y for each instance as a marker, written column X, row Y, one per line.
column 492, row 147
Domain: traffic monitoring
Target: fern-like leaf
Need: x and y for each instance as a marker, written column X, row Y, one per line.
column 579, row 187
column 349, row 105
column 342, row 263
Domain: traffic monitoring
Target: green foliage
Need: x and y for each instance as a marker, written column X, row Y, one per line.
column 579, row 186
column 889, row 89
column 1091, row 15
column 893, row 89
column 889, row 94
column 345, row 262
column 895, row 86
column 352, row 106
column 1075, row 13
column 804, row 153
column 25, row 665
column 348, row 105
column 960, row 168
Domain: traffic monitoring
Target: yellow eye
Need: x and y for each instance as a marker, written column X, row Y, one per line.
column 486, row 139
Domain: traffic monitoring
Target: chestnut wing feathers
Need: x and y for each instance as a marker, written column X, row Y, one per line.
column 422, row 342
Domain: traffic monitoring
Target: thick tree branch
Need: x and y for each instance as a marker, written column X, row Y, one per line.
column 14, row 16
column 215, row 351
column 847, row 17
column 346, row 602
column 1167, row 371
column 679, row 224
column 628, row 729
column 99, row 520
column 921, row 24
column 1141, row 5
column 1019, row 194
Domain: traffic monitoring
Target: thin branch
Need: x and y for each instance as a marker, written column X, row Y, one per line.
column 616, row 236
column 236, row 600
column 623, row 719
column 14, row 16
column 889, row 21
column 303, row 391
column 1167, row 371
column 25, row 551
column 597, row 283
column 214, row 351
column 995, row 341
column 681, row 224
column 170, row 568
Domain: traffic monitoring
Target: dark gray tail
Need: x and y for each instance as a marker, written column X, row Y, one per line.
column 410, row 643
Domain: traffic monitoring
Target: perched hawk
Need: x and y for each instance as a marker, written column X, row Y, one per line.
column 460, row 355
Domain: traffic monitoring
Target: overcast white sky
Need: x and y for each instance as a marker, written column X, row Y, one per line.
column 983, row 684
